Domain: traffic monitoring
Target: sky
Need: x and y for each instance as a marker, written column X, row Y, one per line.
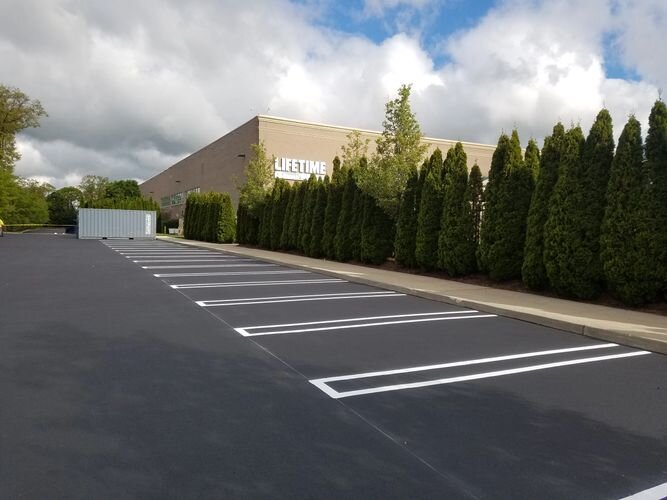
column 132, row 86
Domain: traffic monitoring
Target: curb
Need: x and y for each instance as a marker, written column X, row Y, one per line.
column 615, row 336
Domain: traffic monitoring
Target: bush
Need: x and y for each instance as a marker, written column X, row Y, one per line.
column 210, row 217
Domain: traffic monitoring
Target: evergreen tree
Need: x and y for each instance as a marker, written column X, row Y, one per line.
column 505, row 255
column 625, row 227
column 533, row 272
column 295, row 216
column 655, row 197
column 406, row 227
column 456, row 245
column 284, row 234
column 492, row 210
column 342, row 241
column 430, row 212
column 560, row 232
column 358, row 207
column 265, row 224
column 308, row 209
column 377, row 232
column 474, row 194
column 279, row 199
column 334, row 198
column 317, row 224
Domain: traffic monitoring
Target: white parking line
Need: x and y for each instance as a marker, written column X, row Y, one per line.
column 194, row 266
column 256, row 283
column 321, row 383
column 231, row 273
column 330, row 325
column 207, row 259
column 297, row 298
column 656, row 493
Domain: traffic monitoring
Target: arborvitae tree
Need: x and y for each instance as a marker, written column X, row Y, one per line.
column 406, row 226
column 334, row 197
column 533, row 272
column 227, row 221
column 265, row 224
column 597, row 156
column 295, row 216
column 317, row 224
column 625, row 227
column 358, row 207
column 284, row 235
column 492, row 209
column 505, row 255
column 428, row 222
column 377, row 232
column 656, row 191
column 342, row 242
column 560, row 232
column 280, row 197
column 308, row 210
column 456, row 244
column 474, row 194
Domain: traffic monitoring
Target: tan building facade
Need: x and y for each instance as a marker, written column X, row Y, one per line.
column 300, row 148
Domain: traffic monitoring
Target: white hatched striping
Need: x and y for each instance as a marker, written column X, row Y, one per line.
column 296, row 298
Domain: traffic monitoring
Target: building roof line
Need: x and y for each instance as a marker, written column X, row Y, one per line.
column 367, row 131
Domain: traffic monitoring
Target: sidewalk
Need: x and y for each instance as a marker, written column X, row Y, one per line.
column 637, row 329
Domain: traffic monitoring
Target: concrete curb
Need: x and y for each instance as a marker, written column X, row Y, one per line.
column 619, row 337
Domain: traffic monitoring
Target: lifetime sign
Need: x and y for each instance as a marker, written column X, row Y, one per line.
column 298, row 170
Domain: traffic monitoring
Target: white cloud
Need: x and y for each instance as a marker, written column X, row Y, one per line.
column 131, row 87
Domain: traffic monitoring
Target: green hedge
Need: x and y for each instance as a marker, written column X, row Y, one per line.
column 210, row 217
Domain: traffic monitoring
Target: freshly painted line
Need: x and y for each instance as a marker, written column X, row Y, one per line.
column 367, row 318
column 365, row 325
column 468, row 362
column 296, row 298
column 255, row 283
column 208, row 259
column 478, row 376
column 656, row 493
column 171, row 256
column 194, row 266
column 235, row 273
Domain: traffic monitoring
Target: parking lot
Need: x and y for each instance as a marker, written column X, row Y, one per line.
column 468, row 404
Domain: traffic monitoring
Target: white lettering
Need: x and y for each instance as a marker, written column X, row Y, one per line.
column 296, row 169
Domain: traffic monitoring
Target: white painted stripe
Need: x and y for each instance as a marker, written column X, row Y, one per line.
column 367, row 318
column 656, row 493
column 365, row 325
column 208, row 266
column 234, row 273
column 296, row 298
column 208, row 259
column 173, row 256
column 478, row 376
column 468, row 362
column 255, row 283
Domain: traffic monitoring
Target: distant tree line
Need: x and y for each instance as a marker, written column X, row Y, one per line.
column 579, row 218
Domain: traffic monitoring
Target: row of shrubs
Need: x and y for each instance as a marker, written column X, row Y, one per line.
column 209, row 217
column 580, row 218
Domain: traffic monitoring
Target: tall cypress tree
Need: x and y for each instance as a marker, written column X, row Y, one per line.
column 533, row 272
column 505, row 255
column 342, row 240
column 377, row 232
column 265, row 222
column 561, row 238
column 656, row 191
column 430, row 212
column 492, row 210
column 334, row 197
column 358, row 207
column 474, row 195
column 279, row 199
column 308, row 210
column 406, row 226
column 624, row 229
column 456, row 245
column 317, row 224
column 295, row 216
column 227, row 222
column 284, row 234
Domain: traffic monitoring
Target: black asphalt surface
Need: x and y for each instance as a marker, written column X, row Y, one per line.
column 115, row 383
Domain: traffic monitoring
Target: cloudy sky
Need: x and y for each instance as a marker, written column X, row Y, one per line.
column 133, row 86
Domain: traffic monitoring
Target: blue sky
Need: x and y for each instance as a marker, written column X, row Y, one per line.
column 132, row 87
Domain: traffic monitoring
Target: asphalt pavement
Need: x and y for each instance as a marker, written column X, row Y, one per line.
column 144, row 369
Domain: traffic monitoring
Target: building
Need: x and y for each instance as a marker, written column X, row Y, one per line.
column 300, row 148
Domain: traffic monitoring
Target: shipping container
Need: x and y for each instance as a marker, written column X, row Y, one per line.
column 102, row 223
